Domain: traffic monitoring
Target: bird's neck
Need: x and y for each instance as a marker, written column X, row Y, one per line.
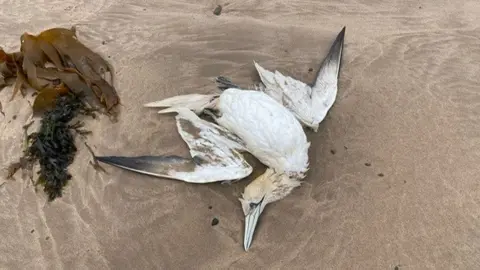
column 281, row 184
column 296, row 165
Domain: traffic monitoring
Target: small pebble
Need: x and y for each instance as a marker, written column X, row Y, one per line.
column 215, row 221
column 48, row 237
column 32, row 231
column 368, row 164
column 218, row 10
column 210, row 207
column 333, row 151
column 380, row 174
column 14, row 117
column 310, row 69
column 104, row 42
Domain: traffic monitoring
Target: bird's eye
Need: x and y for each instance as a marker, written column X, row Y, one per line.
column 253, row 205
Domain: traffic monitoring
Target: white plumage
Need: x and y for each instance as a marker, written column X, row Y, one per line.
column 259, row 122
column 309, row 103
column 215, row 154
column 261, row 126
column 270, row 132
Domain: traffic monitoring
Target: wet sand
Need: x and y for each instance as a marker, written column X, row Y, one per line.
column 394, row 178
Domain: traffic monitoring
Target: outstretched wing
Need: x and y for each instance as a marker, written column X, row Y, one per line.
column 310, row 104
column 215, row 154
column 293, row 94
column 324, row 90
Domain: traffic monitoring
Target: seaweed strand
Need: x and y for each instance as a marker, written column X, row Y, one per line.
column 54, row 145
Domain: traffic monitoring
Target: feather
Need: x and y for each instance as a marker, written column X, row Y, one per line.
column 195, row 102
column 215, row 154
column 310, row 104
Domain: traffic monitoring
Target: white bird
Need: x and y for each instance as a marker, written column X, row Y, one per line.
column 258, row 122
column 250, row 121
column 310, row 104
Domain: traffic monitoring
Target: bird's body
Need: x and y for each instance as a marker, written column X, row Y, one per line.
column 249, row 121
column 270, row 132
column 258, row 122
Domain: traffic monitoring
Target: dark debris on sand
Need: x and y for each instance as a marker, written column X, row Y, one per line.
column 218, row 10
column 54, row 145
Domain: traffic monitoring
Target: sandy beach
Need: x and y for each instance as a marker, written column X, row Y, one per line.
column 394, row 168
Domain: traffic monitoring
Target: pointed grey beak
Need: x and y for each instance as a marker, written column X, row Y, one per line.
column 251, row 220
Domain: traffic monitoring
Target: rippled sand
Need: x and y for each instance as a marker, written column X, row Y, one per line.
column 408, row 106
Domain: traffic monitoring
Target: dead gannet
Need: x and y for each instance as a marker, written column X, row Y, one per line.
column 309, row 103
column 248, row 120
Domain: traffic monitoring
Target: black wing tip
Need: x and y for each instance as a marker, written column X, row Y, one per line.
column 112, row 160
column 341, row 35
column 121, row 160
column 335, row 53
column 103, row 158
column 340, row 39
column 140, row 162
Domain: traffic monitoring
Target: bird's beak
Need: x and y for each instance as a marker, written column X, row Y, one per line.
column 251, row 220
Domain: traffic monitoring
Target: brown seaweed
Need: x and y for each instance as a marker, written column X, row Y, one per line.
column 47, row 97
column 66, row 76
column 75, row 65
column 7, row 67
column 59, row 83
column 90, row 65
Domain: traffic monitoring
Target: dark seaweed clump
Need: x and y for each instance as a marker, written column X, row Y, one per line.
column 54, row 145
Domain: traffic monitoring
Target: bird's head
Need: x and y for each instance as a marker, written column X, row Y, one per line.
column 267, row 188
